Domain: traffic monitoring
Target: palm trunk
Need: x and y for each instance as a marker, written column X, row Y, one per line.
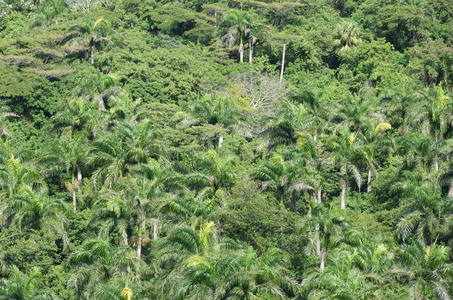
column 241, row 52
column 79, row 179
column 293, row 201
column 368, row 188
column 250, row 52
column 140, row 239
column 283, row 62
column 436, row 164
column 343, row 194
column 318, row 241
column 92, row 57
column 319, row 196
column 155, row 229
column 74, row 196
column 309, row 205
column 323, row 258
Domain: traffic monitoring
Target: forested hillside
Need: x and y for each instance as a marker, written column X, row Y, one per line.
column 158, row 149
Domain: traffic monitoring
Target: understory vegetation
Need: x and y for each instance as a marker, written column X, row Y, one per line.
column 239, row 149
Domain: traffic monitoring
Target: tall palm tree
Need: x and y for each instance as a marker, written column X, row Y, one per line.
column 422, row 208
column 97, row 261
column 235, row 28
column 427, row 268
column 14, row 175
column 95, row 35
column 20, row 286
column 339, row 280
column 68, row 153
column 433, row 113
column 215, row 171
column 324, row 225
column 285, row 127
column 346, row 35
column 37, row 210
column 347, row 154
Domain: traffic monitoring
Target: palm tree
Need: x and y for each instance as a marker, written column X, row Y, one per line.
column 48, row 11
column 4, row 114
column 68, row 153
column 97, row 262
column 147, row 187
column 78, row 115
column 37, row 210
column 94, row 35
column 114, row 213
column 258, row 277
column 14, row 175
column 286, row 127
column 346, row 35
column 339, row 280
column 422, row 208
column 427, row 269
column 323, row 225
column 346, row 154
column 190, row 209
column 215, row 172
column 236, row 27
column 433, row 113
column 280, row 175
column 22, row 286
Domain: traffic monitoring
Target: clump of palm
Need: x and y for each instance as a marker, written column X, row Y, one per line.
column 97, row 262
column 427, row 269
column 37, row 210
column 421, row 208
column 347, row 153
column 238, row 27
column 215, row 172
column 15, row 174
column 346, row 36
column 93, row 36
column 205, row 266
column 67, row 154
column 340, row 279
column 18, row 285
column 323, row 226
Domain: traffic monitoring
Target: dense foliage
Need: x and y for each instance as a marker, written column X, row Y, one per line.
column 160, row 150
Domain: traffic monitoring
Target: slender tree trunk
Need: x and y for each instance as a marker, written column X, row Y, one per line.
column 141, row 229
column 368, row 188
column 250, row 52
column 155, row 229
column 309, row 205
column 436, row 164
column 293, row 201
column 318, row 241
column 241, row 52
column 343, row 194
column 79, row 178
column 283, row 62
column 74, row 196
column 319, row 196
column 92, row 56
column 323, row 258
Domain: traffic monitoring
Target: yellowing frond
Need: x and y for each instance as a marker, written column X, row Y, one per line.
column 205, row 234
column 381, row 127
column 196, row 260
column 428, row 253
column 97, row 22
column 68, row 186
column 126, row 293
column 352, row 138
